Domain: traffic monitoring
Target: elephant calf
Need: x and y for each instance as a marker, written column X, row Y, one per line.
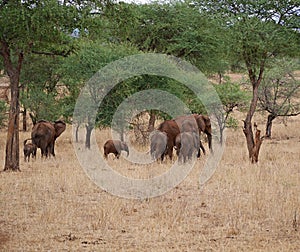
column 186, row 143
column 158, row 145
column 115, row 147
column 29, row 149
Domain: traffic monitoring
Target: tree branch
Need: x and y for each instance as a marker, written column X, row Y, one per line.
column 63, row 53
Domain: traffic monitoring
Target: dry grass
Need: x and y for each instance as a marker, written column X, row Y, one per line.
column 52, row 204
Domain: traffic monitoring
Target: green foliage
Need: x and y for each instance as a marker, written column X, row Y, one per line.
column 146, row 82
column 231, row 96
column 37, row 26
column 232, row 123
column 42, row 104
column 258, row 31
column 39, row 93
column 3, row 111
column 78, row 68
column 174, row 28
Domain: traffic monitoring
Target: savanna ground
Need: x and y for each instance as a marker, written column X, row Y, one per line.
column 51, row 205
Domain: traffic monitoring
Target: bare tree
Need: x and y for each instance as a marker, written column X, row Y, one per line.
column 279, row 93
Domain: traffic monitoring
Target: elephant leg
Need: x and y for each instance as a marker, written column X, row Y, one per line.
column 198, row 153
column 202, row 148
column 209, row 137
column 43, row 151
column 170, row 151
column 118, row 154
column 51, row 149
column 180, row 158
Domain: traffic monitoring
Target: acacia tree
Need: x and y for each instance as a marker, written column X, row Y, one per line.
column 279, row 92
column 79, row 68
column 231, row 97
column 175, row 28
column 259, row 32
column 40, row 86
column 40, row 27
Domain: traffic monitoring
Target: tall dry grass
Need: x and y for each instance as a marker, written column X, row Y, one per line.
column 52, row 205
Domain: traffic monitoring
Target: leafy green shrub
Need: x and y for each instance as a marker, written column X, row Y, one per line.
column 3, row 110
column 232, row 123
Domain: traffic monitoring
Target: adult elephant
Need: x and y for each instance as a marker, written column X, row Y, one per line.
column 174, row 127
column 44, row 134
column 171, row 128
column 158, row 145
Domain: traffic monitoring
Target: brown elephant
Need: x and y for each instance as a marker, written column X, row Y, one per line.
column 29, row 149
column 115, row 147
column 158, row 145
column 174, row 127
column 44, row 134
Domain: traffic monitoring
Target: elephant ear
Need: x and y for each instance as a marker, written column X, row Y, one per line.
column 60, row 127
column 207, row 122
column 201, row 122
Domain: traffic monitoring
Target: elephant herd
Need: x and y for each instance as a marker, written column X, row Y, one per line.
column 181, row 134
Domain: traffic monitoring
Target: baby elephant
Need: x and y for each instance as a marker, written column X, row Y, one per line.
column 158, row 145
column 115, row 147
column 29, row 149
column 187, row 143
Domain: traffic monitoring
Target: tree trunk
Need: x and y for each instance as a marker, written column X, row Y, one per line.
column 269, row 125
column 12, row 161
column 151, row 121
column 24, row 121
column 33, row 118
column 122, row 134
column 248, row 132
column 89, row 129
column 12, row 155
column 76, row 132
column 257, row 144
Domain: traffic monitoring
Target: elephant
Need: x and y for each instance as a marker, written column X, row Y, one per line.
column 115, row 147
column 158, row 145
column 174, row 127
column 191, row 126
column 198, row 144
column 171, row 128
column 44, row 134
column 186, row 143
column 204, row 125
column 29, row 149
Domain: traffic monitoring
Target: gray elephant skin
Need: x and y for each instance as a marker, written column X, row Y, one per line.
column 187, row 144
column 44, row 134
column 158, row 145
column 115, row 147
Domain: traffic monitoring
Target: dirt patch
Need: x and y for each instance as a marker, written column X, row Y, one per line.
column 4, row 238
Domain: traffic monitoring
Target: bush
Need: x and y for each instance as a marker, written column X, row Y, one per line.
column 3, row 110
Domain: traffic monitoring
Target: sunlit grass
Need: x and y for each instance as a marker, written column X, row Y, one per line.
column 52, row 204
